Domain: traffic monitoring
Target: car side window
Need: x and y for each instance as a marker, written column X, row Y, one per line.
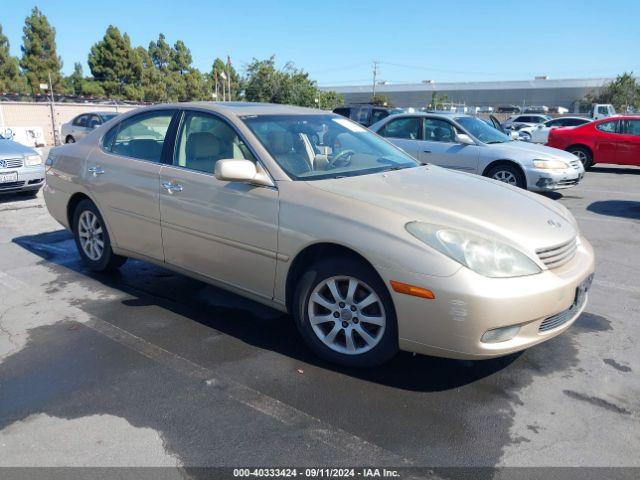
column 204, row 139
column 632, row 127
column 94, row 121
column 608, row 127
column 406, row 127
column 140, row 136
column 378, row 114
column 81, row 121
column 436, row 130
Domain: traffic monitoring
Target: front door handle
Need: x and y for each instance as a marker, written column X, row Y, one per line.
column 172, row 187
column 95, row 171
column 426, row 151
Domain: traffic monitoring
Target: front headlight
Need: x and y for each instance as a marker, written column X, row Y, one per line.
column 550, row 164
column 482, row 255
column 33, row 160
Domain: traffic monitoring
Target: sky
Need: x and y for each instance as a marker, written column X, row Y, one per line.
column 337, row 41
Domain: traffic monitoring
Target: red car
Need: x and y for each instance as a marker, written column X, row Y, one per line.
column 610, row 140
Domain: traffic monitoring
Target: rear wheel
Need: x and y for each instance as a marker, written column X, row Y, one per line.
column 508, row 173
column 92, row 239
column 584, row 154
column 345, row 314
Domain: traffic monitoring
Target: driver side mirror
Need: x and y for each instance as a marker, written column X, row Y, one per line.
column 464, row 139
column 243, row 171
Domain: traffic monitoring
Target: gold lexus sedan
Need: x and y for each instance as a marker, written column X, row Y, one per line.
column 310, row 213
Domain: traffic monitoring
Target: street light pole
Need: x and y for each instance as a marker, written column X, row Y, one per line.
column 53, row 113
column 375, row 74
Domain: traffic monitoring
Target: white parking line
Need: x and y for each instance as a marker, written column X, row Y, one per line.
column 282, row 412
column 11, row 283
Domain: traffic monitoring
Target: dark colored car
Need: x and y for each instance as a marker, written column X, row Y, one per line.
column 366, row 114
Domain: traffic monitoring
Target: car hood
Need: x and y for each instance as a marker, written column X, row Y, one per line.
column 11, row 149
column 529, row 151
column 463, row 201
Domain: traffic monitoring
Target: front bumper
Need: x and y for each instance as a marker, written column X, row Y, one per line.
column 539, row 180
column 28, row 178
column 467, row 305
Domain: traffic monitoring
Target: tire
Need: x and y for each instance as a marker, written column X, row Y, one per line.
column 69, row 139
column 97, row 258
column 584, row 154
column 508, row 173
column 381, row 326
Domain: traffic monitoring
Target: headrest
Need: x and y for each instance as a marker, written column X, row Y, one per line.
column 202, row 145
column 281, row 142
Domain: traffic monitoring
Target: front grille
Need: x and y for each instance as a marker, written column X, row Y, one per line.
column 554, row 257
column 575, row 163
column 563, row 317
column 10, row 163
column 11, row 185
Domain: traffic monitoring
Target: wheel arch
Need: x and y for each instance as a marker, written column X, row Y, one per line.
column 308, row 255
column 504, row 161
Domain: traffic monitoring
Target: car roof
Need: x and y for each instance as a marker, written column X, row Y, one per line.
column 241, row 109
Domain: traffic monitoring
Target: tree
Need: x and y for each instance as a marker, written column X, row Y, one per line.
column 236, row 82
column 623, row 92
column 74, row 82
column 39, row 56
column 114, row 64
column 380, row 100
column 329, row 100
column 265, row 83
column 181, row 58
column 150, row 78
column 10, row 76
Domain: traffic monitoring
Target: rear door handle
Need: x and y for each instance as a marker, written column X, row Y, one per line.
column 96, row 171
column 172, row 187
column 426, row 151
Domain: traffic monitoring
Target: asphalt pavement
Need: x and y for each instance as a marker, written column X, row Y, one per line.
column 147, row 367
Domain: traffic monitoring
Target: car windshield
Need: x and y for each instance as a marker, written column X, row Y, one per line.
column 482, row 131
column 313, row 147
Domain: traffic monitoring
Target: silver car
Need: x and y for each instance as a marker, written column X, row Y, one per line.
column 21, row 168
column 466, row 143
column 79, row 126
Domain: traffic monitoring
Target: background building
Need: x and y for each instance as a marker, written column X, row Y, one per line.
column 540, row 91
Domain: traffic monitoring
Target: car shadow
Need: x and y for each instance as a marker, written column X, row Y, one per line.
column 616, row 208
column 15, row 197
column 149, row 285
column 616, row 170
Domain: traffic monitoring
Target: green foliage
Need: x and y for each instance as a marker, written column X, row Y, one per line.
column 265, row 83
column 114, row 63
column 437, row 100
column 11, row 80
column 329, row 100
column 623, row 92
column 236, row 82
column 39, row 56
column 380, row 100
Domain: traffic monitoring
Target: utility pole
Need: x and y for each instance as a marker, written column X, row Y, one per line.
column 375, row 74
column 53, row 113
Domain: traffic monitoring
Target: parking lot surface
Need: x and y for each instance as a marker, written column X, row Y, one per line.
column 146, row 367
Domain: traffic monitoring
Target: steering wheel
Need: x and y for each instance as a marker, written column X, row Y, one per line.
column 342, row 159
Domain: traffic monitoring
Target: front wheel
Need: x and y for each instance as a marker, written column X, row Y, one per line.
column 69, row 139
column 345, row 314
column 508, row 173
column 92, row 239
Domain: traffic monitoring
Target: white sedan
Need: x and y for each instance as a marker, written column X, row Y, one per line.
column 540, row 133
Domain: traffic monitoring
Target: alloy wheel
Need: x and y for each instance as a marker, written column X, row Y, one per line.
column 506, row 177
column 346, row 315
column 91, row 235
